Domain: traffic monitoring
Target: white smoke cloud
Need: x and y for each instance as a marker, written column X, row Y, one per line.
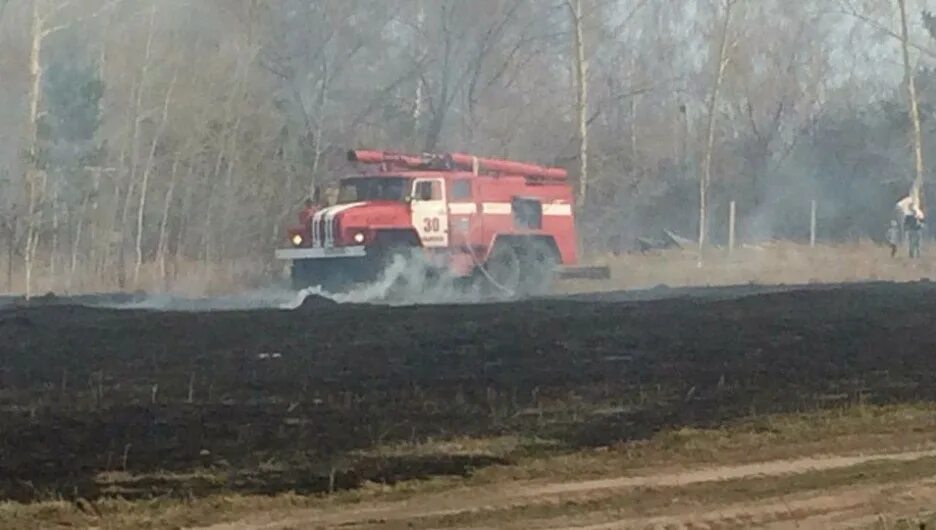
column 405, row 282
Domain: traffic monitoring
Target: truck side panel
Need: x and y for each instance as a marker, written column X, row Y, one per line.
column 496, row 197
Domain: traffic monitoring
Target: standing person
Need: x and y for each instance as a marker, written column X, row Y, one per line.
column 906, row 211
column 913, row 220
column 915, row 233
column 893, row 237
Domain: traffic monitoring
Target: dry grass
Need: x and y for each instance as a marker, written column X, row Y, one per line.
column 923, row 522
column 770, row 263
column 852, row 429
column 605, row 506
column 767, row 264
column 189, row 277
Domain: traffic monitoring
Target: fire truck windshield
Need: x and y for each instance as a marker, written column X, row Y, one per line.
column 373, row 189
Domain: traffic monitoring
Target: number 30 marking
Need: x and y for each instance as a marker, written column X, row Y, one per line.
column 431, row 224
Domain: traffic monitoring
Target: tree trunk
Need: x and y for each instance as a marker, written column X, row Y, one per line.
column 117, row 215
column 32, row 237
column 440, row 105
column 319, row 127
column 144, row 185
column 92, row 258
column 418, row 96
column 706, row 175
column 121, row 249
column 76, row 245
column 187, row 218
column 229, row 206
column 633, row 118
column 581, row 103
column 161, row 244
column 53, row 256
column 224, row 145
column 134, row 150
column 11, row 251
column 32, row 172
column 917, row 190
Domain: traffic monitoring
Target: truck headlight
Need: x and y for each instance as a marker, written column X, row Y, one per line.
column 297, row 240
column 359, row 237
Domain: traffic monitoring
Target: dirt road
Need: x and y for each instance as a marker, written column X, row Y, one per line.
column 509, row 503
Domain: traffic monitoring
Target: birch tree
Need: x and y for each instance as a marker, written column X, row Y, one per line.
column 913, row 110
column 580, row 64
column 144, row 184
column 45, row 20
column 719, row 66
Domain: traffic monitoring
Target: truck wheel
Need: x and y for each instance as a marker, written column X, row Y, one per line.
column 504, row 269
column 539, row 262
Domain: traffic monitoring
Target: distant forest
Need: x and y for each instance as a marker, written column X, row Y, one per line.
column 139, row 135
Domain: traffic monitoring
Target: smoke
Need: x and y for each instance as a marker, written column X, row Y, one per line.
column 408, row 280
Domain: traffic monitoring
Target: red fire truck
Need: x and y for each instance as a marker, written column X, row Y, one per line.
column 506, row 224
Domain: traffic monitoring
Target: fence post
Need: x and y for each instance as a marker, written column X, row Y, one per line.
column 731, row 227
column 812, row 224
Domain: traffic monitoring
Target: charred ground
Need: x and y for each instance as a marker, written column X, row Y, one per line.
column 191, row 403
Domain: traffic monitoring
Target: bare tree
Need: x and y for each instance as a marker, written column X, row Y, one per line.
column 719, row 66
column 581, row 100
column 144, row 184
column 914, row 110
column 216, row 132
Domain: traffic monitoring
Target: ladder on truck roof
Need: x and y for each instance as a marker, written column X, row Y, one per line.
column 459, row 161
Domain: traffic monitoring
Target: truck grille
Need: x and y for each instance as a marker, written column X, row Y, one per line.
column 319, row 236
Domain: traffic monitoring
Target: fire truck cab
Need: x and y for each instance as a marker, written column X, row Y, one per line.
column 505, row 223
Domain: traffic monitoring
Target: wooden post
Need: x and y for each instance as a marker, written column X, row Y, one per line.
column 812, row 224
column 731, row 227
column 191, row 388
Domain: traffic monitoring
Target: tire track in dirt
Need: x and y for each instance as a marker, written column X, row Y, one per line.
column 856, row 508
column 724, row 473
column 517, row 495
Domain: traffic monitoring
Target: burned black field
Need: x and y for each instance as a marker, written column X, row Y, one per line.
column 275, row 400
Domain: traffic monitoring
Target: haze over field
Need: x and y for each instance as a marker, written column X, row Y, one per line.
column 464, row 342
column 143, row 142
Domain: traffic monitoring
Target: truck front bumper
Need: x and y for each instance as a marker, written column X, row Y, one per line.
column 321, row 253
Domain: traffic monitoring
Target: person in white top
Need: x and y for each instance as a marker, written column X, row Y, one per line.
column 913, row 221
column 905, row 207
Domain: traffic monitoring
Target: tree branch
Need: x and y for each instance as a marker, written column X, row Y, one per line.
column 616, row 32
column 852, row 12
column 65, row 25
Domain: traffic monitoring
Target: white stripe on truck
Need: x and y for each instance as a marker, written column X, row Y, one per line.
column 504, row 208
column 463, row 208
column 496, row 208
column 557, row 209
column 327, row 216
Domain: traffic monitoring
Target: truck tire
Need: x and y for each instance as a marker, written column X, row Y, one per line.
column 539, row 261
column 505, row 271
